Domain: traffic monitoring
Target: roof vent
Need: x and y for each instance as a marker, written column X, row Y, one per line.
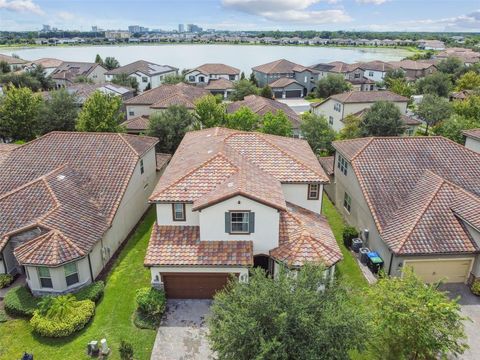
column 60, row 177
column 209, row 151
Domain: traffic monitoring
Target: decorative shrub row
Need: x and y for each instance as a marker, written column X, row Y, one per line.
column 91, row 292
column 5, row 280
column 19, row 301
column 65, row 325
column 476, row 287
column 151, row 304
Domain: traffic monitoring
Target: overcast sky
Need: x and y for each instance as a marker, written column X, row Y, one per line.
column 381, row 15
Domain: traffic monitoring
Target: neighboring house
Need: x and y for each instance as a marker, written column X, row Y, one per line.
column 374, row 70
column 467, row 56
column 289, row 79
column 162, row 97
column 415, row 70
column 67, row 72
column 337, row 107
column 146, row 73
column 431, row 45
column 411, row 124
column 83, row 91
column 203, row 74
column 472, row 139
column 328, row 163
column 461, row 95
column 221, row 87
column 68, row 200
column 13, row 62
column 49, row 65
column 137, row 125
column 416, row 201
column 230, row 200
column 261, row 106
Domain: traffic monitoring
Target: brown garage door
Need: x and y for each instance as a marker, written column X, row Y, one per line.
column 193, row 286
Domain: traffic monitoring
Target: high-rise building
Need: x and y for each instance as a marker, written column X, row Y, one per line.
column 46, row 28
column 192, row 28
column 181, row 28
column 94, row 28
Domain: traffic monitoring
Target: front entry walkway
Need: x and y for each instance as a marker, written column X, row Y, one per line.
column 182, row 333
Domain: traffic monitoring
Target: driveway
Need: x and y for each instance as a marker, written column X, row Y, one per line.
column 182, row 333
column 298, row 105
column 470, row 307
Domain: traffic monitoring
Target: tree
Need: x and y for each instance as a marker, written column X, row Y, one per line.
column 400, row 87
column 4, row 67
column 98, row 59
column 82, row 79
column 170, row 126
column 451, row 65
column 276, row 124
column 111, row 63
column 317, row 132
column 40, row 75
column 19, row 114
column 21, row 80
column 125, row 80
column 241, row 89
column 61, row 306
column 209, row 112
column 266, row 92
column 252, row 79
column 242, row 76
column 468, row 81
column 101, row 113
column 243, row 119
column 382, row 119
column 285, row 318
column 469, row 108
column 433, row 109
column 59, row 112
column 173, row 79
column 437, row 83
column 351, row 129
column 394, row 74
column 452, row 127
column 412, row 320
column 331, row 84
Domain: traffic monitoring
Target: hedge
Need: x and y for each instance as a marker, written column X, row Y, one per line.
column 67, row 325
column 5, row 280
column 19, row 301
column 91, row 292
column 151, row 305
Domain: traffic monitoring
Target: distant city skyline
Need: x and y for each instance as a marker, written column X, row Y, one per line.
column 361, row 15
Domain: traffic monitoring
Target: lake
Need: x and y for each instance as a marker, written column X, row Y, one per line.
column 184, row 56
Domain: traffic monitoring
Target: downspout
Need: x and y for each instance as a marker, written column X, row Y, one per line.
column 90, row 267
column 390, row 266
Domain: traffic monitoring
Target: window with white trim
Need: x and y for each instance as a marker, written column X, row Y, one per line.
column 239, row 222
column 313, row 191
column 131, row 113
column 347, row 202
column 142, row 169
column 342, row 164
column 178, row 212
column 144, row 79
column 44, row 277
column 330, row 120
column 71, row 273
column 191, row 78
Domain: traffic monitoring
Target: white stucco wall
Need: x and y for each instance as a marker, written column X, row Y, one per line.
column 97, row 75
column 298, row 194
column 472, row 144
column 138, row 110
column 165, row 216
column 265, row 237
column 376, row 75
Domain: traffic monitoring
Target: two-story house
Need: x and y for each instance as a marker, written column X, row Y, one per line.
column 230, row 200
column 68, row 200
column 49, row 65
column 67, row 72
column 415, row 200
column 337, row 107
column 472, row 139
column 14, row 63
column 287, row 79
column 203, row 74
column 415, row 70
column 147, row 74
column 355, row 74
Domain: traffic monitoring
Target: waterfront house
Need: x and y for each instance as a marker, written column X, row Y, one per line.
column 67, row 72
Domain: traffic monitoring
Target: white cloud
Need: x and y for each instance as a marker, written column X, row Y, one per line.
column 65, row 15
column 21, row 6
column 289, row 11
column 375, row 2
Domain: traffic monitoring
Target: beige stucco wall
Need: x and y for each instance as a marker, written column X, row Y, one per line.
column 472, row 144
column 138, row 110
column 298, row 195
column 165, row 216
column 98, row 75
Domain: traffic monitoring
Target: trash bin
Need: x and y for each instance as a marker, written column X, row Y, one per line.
column 357, row 243
column 374, row 262
column 364, row 254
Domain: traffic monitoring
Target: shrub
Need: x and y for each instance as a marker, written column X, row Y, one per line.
column 5, row 280
column 91, row 292
column 126, row 350
column 19, row 301
column 143, row 321
column 476, row 287
column 151, row 302
column 66, row 325
column 349, row 232
column 3, row 316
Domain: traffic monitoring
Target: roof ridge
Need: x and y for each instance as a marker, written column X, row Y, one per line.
column 128, row 144
column 362, row 149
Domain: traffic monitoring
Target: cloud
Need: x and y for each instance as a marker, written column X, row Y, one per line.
column 65, row 15
column 21, row 6
column 375, row 2
column 290, row 11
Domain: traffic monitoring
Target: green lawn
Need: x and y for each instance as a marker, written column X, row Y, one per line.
column 113, row 317
column 347, row 268
column 315, row 100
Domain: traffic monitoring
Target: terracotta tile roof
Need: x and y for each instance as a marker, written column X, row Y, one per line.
column 47, row 62
column 62, row 177
column 281, row 66
column 351, row 97
column 407, row 120
column 139, row 123
column 84, row 91
column 375, row 65
column 473, row 133
column 394, row 178
column 217, row 69
column 181, row 245
column 305, row 237
column 340, row 67
column 166, row 95
column 219, row 84
column 207, row 160
column 5, row 150
column 283, row 82
column 70, row 70
column 162, row 160
column 261, row 106
column 361, row 81
column 145, row 67
column 11, row 60
column 328, row 163
column 412, row 64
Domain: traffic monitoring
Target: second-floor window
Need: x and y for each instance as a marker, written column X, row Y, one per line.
column 45, row 278
column 330, row 120
column 178, row 210
column 370, row 73
column 342, row 165
column 337, row 107
column 239, row 222
column 347, row 202
column 144, row 79
column 313, row 191
column 142, row 169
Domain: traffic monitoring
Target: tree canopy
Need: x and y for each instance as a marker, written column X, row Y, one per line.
column 317, row 132
column 173, row 79
column 452, row 127
column 330, row 85
column 433, row 109
column 243, row 119
column 101, row 113
column 351, row 129
column 276, row 124
column 451, row 65
column 209, row 112
column 382, row 119
column 437, row 83
column 468, row 81
column 59, row 112
column 125, row 80
column 241, row 89
column 266, row 92
column 111, row 63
